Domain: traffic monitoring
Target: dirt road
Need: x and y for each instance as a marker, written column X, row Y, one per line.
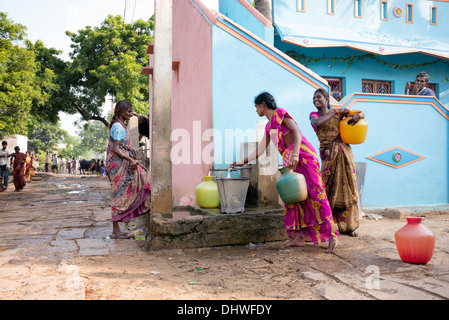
column 53, row 246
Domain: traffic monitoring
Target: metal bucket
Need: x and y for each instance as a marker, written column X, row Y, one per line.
column 232, row 192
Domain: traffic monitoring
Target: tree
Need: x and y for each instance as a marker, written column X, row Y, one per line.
column 35, row 84
column 46, row 136
column 94, row 136
column 107, row 61
column 264, row 7
column 22, row 85
column 60, row 96
column 69, row 147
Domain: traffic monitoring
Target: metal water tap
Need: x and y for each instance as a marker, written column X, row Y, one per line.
column 230, row 169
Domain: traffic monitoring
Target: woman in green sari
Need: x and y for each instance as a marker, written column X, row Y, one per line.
column 337, row 167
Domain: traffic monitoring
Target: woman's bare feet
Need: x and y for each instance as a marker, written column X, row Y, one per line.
column 333, row 242
column 117, row 233
column 296, row 241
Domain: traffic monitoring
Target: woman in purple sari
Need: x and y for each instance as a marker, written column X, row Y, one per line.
column 309, row 220
column 129, row 180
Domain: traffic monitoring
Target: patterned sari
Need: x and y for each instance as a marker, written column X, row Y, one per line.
column 312, row 218
column 338, row 172
column 130, row 189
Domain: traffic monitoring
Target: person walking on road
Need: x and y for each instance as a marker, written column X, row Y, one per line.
column 47, row 161
column 19, row 169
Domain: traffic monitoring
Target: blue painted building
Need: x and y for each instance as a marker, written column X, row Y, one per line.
column 361, row 51
column 366, row 51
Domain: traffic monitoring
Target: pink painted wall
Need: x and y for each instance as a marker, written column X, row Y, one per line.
column 192, row 93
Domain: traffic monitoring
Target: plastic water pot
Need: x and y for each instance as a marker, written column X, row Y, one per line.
column 291, row 186
column 415, row 242
column 355, row 134
column 207, row 193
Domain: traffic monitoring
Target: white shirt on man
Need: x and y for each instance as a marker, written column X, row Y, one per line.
column 6, row 160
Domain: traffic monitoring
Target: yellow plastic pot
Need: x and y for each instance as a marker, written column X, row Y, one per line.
column 355, row 134
column 207, row 193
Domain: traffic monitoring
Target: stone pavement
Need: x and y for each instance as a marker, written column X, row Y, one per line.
column 45, row 226
column 57, row 222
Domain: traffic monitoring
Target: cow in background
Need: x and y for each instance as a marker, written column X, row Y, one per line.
column 87, row 165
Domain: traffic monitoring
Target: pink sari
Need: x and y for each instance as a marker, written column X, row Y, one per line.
column 130, row 189
column 312, row 218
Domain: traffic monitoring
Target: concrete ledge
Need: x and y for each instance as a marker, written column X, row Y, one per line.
column 196, row 227
column 213, row 229
column 413, row 210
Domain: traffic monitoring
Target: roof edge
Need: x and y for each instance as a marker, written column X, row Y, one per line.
column 210, row 16
column 259, row 16
column 380, row 52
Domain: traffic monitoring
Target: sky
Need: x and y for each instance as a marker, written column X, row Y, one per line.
column 48, row 20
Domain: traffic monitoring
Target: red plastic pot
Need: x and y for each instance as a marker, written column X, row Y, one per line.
column 415, row 242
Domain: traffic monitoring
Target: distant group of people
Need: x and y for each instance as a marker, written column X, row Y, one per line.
column 25, row 166
column 53, row 164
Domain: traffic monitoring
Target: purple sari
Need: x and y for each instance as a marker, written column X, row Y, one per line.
column 312, row 218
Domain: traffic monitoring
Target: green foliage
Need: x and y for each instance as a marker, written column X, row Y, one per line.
column 60, row 96
column 94, row 136
column 35, row 85
column 45, row 137
column 107, row 60
column 22, row 85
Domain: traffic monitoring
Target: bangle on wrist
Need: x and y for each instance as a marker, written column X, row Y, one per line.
column 295, row 155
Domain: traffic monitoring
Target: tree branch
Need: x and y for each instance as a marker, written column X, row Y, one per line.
column 88, row 117
column 101, row 119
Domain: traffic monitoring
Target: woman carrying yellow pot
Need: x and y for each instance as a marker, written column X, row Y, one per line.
column 337, row 162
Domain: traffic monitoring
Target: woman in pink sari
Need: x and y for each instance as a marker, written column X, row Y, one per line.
column 309, row 220
column 130, row 181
